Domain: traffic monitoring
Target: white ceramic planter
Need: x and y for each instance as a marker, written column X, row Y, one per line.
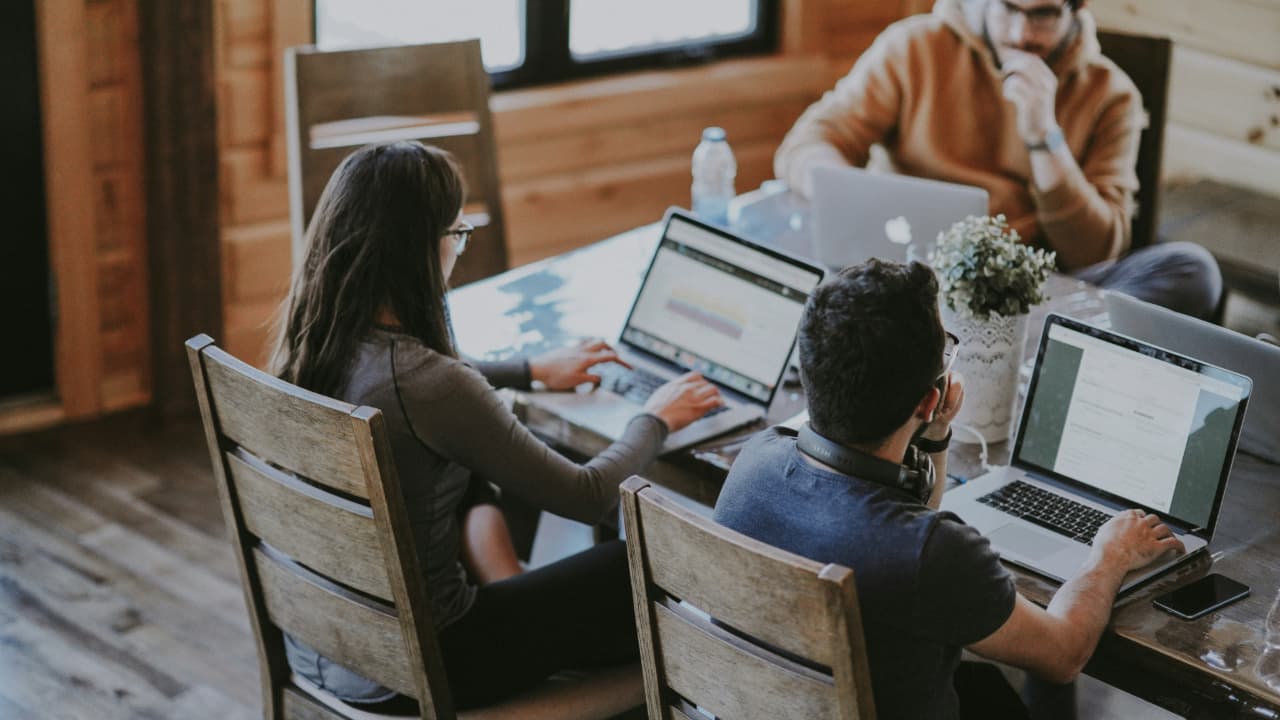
column 990, row 352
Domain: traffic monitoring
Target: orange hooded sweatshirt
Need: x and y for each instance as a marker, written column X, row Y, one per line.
column 929, row 91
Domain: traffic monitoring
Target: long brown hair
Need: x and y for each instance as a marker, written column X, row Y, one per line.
column 373, row 242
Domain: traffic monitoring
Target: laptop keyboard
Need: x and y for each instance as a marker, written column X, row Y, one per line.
column 1048, row 510
column 636, row 384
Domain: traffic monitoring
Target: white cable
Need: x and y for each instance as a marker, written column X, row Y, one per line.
column 982, row 456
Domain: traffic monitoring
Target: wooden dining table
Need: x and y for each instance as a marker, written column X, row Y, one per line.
column 1224, row 664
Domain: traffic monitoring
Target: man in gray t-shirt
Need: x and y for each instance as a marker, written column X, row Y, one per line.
column 855, row 487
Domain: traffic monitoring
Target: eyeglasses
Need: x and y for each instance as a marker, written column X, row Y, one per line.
column 463, row 233
column 1041, row 17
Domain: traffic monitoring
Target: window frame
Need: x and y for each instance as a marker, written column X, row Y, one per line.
column 548, row 59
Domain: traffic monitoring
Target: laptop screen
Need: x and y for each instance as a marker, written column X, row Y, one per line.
column 1138, row 423
column 720, row 306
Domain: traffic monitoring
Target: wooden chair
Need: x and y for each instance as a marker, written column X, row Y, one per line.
column 786, row 639
column 1146, row 60
column 438, row 93
column 312, row 502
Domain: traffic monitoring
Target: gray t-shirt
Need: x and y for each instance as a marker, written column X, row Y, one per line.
column 927, row 583
column 447, row 424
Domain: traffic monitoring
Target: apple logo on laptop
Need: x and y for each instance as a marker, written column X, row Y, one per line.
column 898, row 230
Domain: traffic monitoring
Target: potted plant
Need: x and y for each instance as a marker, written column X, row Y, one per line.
column 988, row 282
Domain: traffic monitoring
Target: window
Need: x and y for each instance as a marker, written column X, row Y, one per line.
column 526, row 42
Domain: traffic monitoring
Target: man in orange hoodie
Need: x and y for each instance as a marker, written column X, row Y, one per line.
column 1013, row 96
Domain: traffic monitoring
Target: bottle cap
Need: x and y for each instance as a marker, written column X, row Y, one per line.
column 713, row 134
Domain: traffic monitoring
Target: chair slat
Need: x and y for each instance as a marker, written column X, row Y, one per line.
column 353, row 631
column 710, row 667
column 297, row 706
column 283, row 424
column 319, row 163
column 785, row 604
column 363, row 131
column 336, row 85
column 333, row 536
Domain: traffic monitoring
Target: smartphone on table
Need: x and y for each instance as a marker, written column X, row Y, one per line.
column 1202, row 596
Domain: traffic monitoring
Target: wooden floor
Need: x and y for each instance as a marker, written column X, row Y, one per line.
column 119, row 596
column 118, row 593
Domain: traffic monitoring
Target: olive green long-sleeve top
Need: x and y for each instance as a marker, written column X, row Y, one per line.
column 447, row 424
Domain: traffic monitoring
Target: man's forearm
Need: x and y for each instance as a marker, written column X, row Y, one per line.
column 1084, row 603
column 1055, row 173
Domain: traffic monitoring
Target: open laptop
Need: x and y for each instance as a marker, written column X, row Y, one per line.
column 857, row 215
column 712, row 302
column 1110, row 423
column 1220, row 346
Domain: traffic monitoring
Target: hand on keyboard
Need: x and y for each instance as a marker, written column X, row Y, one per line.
column 1133, row 538
column 683, row 400
column 567, row 368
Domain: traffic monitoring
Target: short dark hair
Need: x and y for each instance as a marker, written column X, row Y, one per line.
column 870, row 348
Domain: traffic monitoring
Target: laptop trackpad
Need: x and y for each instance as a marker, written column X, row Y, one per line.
column 1029, row 543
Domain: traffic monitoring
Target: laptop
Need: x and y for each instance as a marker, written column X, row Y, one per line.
column 1110, row 423
column 1220, row 346
column 857, row 215
column 710, row 301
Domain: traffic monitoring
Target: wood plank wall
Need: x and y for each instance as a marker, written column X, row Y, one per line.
column 119, row 201
column 578, row 162
column 90, row 76
column 1224, row 91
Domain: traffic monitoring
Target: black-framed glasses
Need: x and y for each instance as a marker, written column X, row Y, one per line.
column 463, row 233
column 1041, row 17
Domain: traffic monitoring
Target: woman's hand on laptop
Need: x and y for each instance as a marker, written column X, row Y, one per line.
column 567, row 368
column 683, row 400
column 1134, row 538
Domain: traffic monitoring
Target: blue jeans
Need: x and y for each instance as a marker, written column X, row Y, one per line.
column 1181, row 276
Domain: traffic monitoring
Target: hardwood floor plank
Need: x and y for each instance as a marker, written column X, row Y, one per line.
column 44, row 672
column 83, row 506
column 39, row 614
column 130, row 612
column 170, row 572
column 119, row 594
column 11, row 711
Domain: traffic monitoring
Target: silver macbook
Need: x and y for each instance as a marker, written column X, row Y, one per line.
column 712, row 302
column 858, row 215
column 1110, row 423
column 1220, row 346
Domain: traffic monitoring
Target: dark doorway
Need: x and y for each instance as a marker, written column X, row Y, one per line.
column 26, row 366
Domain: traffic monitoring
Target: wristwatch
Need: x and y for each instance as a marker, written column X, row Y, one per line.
column 924, row 444
column 1051, row 142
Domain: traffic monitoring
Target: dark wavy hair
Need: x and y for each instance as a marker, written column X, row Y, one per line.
column 373, row 242
column 870, row 348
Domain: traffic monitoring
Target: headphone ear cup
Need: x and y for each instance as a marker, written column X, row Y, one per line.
column 918, row 474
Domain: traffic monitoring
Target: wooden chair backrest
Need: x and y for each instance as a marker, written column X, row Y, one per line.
column 338, row 101
column 1146, row 60
column 312, row 502
column 786, row 639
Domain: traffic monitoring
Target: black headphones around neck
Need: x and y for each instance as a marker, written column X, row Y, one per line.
column 914, row 476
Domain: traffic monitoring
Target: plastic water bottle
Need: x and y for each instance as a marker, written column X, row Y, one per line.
column 713, row 171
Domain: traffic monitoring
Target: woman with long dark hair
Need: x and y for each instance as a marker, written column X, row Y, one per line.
column 366, row 321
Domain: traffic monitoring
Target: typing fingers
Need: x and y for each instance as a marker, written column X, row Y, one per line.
column 1171, row 543
column 601, row 355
